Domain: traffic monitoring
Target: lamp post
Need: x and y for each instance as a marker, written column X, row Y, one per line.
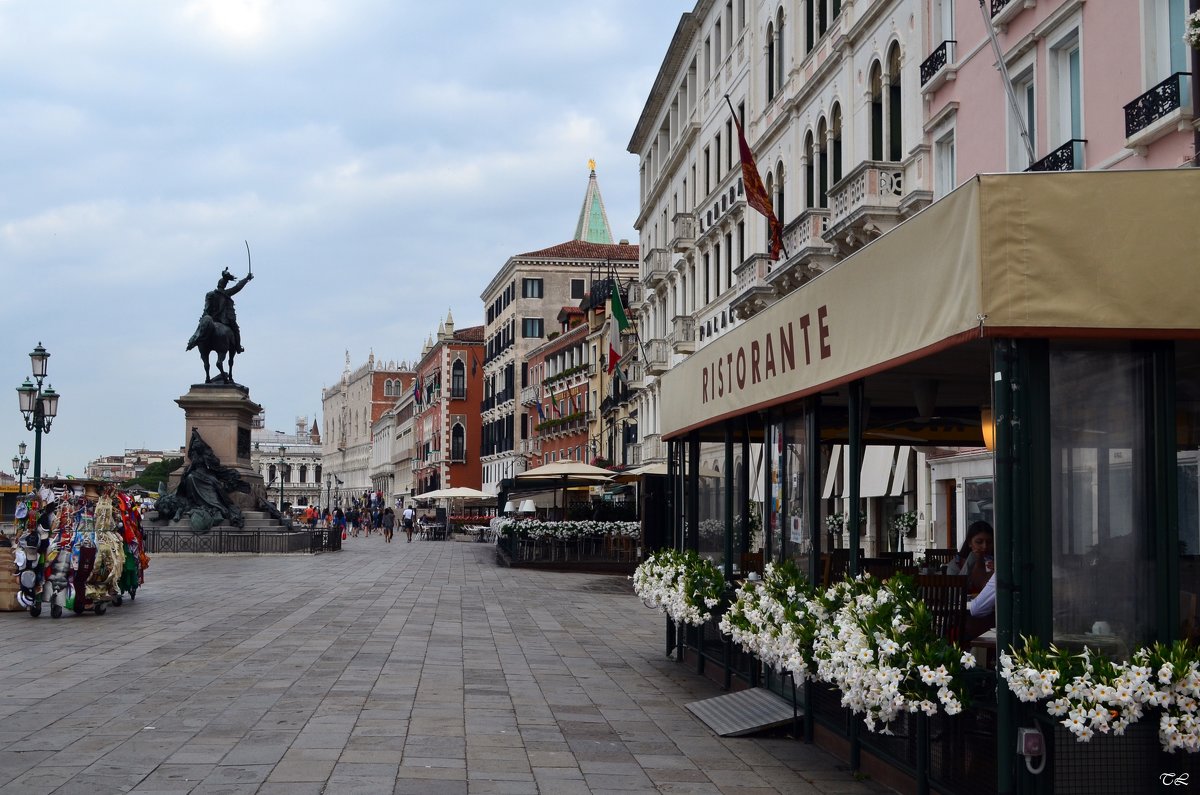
column 20, row 466
column 328, row 491
column 39, row 407
column 282, row 476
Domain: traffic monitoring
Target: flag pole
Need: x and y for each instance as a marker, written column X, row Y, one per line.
column 756, row 194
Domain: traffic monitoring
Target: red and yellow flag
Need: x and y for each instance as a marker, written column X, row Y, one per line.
column 756, row 193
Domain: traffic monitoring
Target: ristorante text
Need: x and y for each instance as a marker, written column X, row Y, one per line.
column 768, row 357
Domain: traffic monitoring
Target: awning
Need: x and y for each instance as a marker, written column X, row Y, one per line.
column 1081, row 253
column 876, row 471
column 831, row 475
column 900, row 478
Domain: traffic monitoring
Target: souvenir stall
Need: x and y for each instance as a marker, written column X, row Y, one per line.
column 75, row 545
column 1056, row 317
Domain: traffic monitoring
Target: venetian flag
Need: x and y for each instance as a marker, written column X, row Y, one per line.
column 417, row 391
column 619, row 323
column 756, row 193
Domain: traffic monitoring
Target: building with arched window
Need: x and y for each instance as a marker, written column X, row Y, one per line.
column 289, row 461
column 446, row 424
column 349, row 410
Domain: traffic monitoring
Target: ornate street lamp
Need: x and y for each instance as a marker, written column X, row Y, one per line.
column 39, row 407
column 282, row 477
column 20, row 466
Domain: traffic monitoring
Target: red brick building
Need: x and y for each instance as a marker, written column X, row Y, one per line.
column 556, row 400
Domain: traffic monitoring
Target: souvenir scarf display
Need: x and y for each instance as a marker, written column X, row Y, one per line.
column 75, row 555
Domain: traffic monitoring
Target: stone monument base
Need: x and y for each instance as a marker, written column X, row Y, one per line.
column 223, row 414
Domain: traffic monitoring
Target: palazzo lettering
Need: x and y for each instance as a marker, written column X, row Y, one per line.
column 766, row 358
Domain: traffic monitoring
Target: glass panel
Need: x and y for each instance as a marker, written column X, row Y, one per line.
column 712, row 502
column 1187, row 456
column 979, row 501
column 1076, row 94
column 1102, row 541
column 1176, row 14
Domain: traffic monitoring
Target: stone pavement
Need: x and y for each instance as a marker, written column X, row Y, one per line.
column 385, row 668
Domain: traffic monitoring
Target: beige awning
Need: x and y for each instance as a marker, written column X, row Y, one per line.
column 1089, row 253
column 900, row 478
column 876, row 470
column 831, row 474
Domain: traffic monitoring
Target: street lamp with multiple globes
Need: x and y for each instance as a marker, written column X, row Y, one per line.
column 20, row 466
column 282, row 471
column 39, row 407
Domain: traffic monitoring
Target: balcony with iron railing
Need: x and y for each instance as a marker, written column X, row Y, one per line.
column 1068, row 157
column 682, row 337
column 1163, row 109
column 658, row 356
column 656, row 267
column 1003, row 11
column 939, row 67
column 752, row 292
column 806, row 250
column 684, row 232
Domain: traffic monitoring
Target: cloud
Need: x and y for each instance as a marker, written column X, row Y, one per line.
column 383, row 157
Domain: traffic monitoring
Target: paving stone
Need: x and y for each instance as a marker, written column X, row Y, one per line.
column 411, row 669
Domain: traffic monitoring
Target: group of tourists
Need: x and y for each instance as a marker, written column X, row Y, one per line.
column 361, row 519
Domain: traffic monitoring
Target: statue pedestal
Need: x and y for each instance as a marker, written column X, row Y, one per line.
column 223, row 414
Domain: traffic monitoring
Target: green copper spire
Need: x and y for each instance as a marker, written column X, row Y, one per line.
column 593, row 222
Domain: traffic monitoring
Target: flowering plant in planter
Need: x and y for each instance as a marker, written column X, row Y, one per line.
column 685, row 586
column 905, row 523
column 876, row 643
column 770, row 619
column 1091, row 694
column 568, row 531
column 1192, row 30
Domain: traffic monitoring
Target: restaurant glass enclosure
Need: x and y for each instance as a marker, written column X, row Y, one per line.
column 980, row 322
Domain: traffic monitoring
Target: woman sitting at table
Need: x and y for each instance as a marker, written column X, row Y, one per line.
column 975, row 560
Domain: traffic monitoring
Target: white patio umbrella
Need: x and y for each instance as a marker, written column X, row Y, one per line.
column 455, row 493
column 565, row 469
column 565, row 474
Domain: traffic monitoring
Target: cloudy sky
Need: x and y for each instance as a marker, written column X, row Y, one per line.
column 382, row 157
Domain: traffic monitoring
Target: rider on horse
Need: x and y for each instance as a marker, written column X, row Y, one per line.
column 218, row 306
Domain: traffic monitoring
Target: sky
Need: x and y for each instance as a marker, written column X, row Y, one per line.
column 383, row 158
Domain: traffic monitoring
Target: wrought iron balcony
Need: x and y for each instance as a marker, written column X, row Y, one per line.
column 657, row 265
column 938, row 60
column 684, row 232
column 1168, row 96
column 1068, row 157
column 1003, row 11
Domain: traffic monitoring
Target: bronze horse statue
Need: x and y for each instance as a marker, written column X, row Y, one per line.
column 211, row 337
column 218, row 328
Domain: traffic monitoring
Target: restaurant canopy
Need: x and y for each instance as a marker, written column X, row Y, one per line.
column 1076, row 254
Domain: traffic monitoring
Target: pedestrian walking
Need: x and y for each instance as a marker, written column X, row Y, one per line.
column 389, row 524
column 410, row 516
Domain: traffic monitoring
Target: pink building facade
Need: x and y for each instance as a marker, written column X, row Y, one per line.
column 1098, row 86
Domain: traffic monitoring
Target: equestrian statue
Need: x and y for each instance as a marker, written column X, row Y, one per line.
column 218, row 328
